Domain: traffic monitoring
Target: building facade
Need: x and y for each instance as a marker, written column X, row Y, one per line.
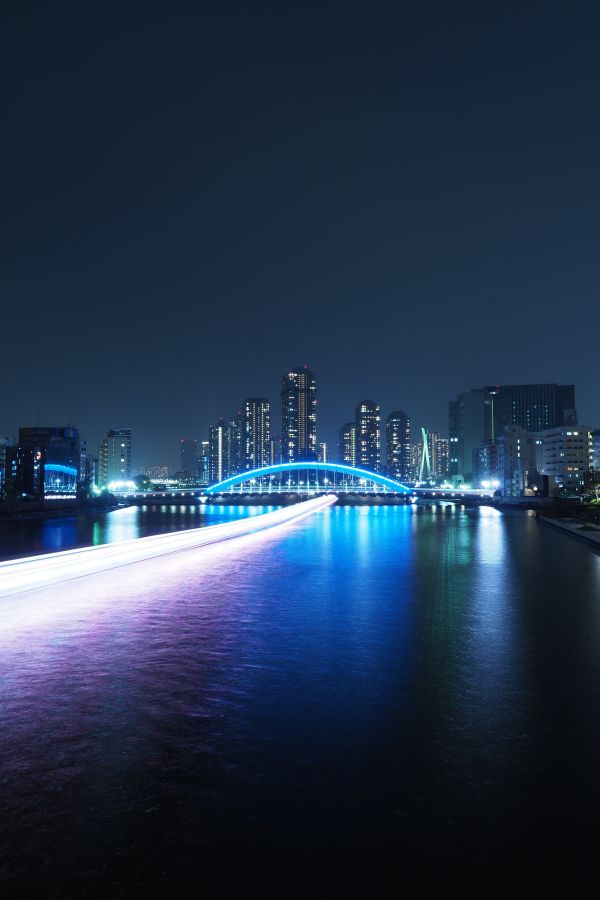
column 565, row 454
column 57, row 453
column 439, row 450
column 347, row 444
column 398, row 446
column 516, row 461
column 467, row 431
column 256, row 434
column 204, row 463
column 24, row 472
column 114, row 457
column 233, row 450
column 368, row 435
column 298, row 416
column 509, row 462
column 216, row 452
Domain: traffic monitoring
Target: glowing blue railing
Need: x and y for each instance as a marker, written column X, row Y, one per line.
column 361, row 476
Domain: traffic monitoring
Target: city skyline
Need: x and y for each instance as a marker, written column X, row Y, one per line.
column 153, row 448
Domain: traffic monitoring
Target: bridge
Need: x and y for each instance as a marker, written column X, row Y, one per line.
column 305, row 479
column 309, row 478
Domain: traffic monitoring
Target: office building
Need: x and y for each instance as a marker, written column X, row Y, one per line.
column 533, row 407
column 188, row 452
column 322, row 452
column 24, row 473
column 565, row 454
column 347, row 444
column 298, row 416
column 467, row 429
column 55, row 459
column 509, row 463
column 398, row 446
column 516, row 461
column 482, row 414
column 368, row 436
column 256, row 434
column 114, row 457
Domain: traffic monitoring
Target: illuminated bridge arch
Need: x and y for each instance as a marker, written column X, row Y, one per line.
column 308, row 477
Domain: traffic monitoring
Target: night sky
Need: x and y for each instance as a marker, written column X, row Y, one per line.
column 198, row 196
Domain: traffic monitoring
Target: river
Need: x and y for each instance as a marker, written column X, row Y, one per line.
column 367, row 693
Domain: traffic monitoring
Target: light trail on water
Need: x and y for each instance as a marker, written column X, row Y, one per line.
column 29, row 573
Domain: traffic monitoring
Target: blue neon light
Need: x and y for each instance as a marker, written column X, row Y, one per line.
column 56, row 467
column 390, row 483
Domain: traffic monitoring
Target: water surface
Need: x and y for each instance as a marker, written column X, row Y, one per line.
column 371, row 691
column 33, row 535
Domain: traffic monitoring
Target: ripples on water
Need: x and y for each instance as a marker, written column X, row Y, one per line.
column 371, row 690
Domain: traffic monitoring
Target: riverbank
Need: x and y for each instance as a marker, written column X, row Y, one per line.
column 576, row 528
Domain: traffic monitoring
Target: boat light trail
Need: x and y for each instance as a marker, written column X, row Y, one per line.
column 32, row 572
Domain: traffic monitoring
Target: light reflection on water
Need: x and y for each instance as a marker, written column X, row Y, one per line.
column 378, row 684
column 25, row 537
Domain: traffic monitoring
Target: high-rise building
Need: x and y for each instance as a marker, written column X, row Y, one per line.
column 188, row 449
column 256, row 433
column 398, row 447
column 416, row 454
column 216, row 452
column 233, row 448
column 438, row 455
column 60, row 457
column 347, row 445
column 322, row 452
column 204, row 463
column 481, row 414
column 114, row 456
column 467, row 431
column 298, row 416
column 429, row 458
column 368, row 435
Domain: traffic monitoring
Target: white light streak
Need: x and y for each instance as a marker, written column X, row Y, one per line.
column 32, row 572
